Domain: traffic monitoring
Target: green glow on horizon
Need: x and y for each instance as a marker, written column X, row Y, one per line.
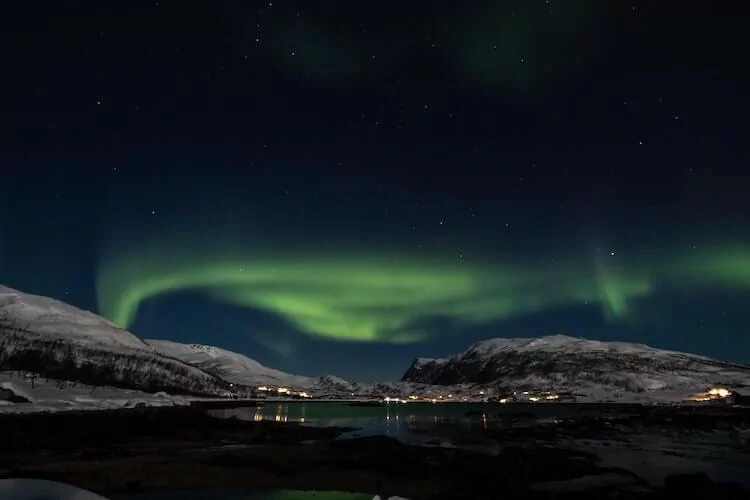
column 360, row 297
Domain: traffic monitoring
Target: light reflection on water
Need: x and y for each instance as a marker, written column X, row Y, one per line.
column 407, row 422
column 453, row 424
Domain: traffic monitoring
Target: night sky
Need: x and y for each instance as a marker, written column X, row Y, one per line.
column 338, row 187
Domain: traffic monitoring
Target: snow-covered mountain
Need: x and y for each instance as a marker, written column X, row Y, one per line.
column 563, row 363
column 230, row 366
column 48, row 337
column 55, row 319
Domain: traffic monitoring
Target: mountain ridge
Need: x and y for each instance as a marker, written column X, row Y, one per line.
column 231, row 366
column 48, row 337
column 564, row 362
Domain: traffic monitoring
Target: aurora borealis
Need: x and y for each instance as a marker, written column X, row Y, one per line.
column 338, row 188
column 363, row 298
column 369, row 298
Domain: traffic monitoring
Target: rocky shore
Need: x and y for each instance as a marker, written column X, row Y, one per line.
column 131, row 451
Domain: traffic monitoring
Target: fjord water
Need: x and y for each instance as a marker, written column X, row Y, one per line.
column 650, row 455
column 404, row 421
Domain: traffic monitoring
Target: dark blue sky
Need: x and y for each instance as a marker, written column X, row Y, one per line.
column 578, row 168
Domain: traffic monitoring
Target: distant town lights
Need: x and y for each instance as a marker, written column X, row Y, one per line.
column 719, row 391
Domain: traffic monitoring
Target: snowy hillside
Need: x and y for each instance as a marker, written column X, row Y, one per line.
column 230, row 366
column 48, row 337
column 57, row 319
column 560, row 363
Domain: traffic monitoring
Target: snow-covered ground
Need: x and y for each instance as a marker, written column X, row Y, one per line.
column 47, row 397
column 35, row 489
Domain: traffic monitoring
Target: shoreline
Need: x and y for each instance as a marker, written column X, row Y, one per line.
column 127, row 451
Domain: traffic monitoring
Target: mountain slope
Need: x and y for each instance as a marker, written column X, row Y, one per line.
column 560, row 362
column 56, row 340
column 230, row 366
column 51, row 317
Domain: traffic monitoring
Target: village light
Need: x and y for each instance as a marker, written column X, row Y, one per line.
column 719, row 391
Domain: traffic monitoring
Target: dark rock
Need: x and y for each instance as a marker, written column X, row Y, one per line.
column 8, row 395
column 739, row 399
column 699, row 485
column 691, row 485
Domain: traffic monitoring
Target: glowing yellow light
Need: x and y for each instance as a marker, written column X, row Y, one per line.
column 719, row 391
column 533, row 398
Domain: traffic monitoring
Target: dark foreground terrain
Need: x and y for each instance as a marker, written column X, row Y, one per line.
column 133, row 451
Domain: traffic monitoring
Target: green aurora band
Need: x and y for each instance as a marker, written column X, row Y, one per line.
column 374, row 298
column 360, row 297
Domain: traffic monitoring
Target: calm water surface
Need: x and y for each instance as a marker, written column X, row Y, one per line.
column 402, row 420
column 651, row 456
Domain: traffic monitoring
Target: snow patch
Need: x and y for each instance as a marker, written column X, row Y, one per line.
column 34, row 489
column 50, row 396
